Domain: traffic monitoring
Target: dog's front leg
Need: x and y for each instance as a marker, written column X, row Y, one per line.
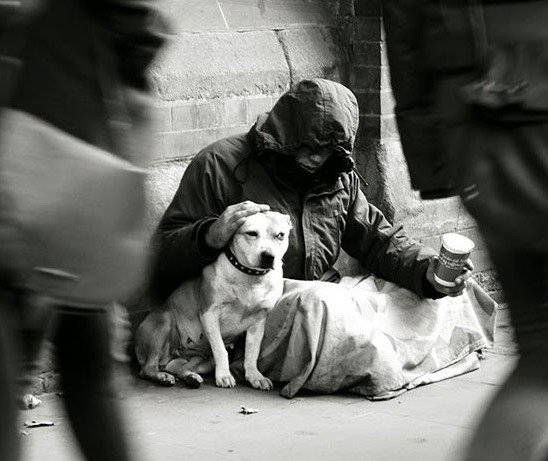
column 212, row 328
column 253, row 341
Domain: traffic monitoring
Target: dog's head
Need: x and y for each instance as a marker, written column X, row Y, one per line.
column 262, row 240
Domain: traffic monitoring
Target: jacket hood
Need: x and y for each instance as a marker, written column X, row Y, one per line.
column 314, row 113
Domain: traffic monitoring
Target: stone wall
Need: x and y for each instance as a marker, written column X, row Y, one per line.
column 227, row 62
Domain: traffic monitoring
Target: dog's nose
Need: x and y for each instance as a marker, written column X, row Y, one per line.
column 267, row 260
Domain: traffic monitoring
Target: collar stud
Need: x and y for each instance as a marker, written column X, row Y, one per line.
column 238, row 265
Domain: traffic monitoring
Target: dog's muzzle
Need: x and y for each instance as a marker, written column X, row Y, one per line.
column 267, row 260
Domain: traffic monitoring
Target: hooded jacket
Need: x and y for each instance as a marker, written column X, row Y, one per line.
column 332, row 215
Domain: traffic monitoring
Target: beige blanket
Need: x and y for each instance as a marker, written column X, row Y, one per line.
column 371, row 337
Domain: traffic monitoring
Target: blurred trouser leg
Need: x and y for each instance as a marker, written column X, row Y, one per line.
column 9, row 439
column 35, row 320
column 83, row 352
column 515, row 426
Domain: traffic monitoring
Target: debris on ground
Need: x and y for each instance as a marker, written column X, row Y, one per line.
column 29, row 402
column 42, row 423
column 247, row 411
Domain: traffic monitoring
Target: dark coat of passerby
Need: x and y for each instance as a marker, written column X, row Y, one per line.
column 470, row 77
column 69, row 62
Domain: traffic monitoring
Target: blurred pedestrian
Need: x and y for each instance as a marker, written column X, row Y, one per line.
column 69, row 62
column 469, row 79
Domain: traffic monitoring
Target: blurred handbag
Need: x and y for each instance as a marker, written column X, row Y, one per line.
column 511, row 40
column 77, row 210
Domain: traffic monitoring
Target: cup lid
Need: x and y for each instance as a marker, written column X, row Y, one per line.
column 457, row 243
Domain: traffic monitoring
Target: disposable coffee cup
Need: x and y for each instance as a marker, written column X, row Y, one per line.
column 455, row 250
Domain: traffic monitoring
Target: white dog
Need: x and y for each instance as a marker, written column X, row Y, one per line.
column 233, row 296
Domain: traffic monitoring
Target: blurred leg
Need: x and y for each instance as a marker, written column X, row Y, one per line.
column 83, row 352
column 515, row 425
column 9, row 439
column 35, row 318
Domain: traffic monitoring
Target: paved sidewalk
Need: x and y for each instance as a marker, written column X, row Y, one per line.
column 430, row 423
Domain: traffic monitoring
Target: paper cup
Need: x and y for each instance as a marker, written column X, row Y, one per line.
column 455, row 250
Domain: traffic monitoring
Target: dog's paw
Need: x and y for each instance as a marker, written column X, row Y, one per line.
column 166, row 379
column 225, row 380
column 161, row 377
column 193, row 380
column 262, row 383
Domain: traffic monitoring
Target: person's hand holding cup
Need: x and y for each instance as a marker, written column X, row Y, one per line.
column 449, row 271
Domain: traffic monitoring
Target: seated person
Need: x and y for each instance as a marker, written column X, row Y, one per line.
column 377, row 335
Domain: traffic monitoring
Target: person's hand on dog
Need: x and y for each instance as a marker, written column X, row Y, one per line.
column 222, row 230
column 460, row 281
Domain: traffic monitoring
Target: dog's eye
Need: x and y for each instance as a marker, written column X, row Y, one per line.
column 280, row 235
column 252, row 233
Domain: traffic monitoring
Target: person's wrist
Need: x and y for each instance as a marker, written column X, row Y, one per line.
column 429, row 290
column 203, row 244
column 210, row 240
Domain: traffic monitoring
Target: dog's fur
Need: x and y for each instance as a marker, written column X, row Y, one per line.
column 207, row 313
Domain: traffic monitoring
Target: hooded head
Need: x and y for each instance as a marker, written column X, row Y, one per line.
column 316, row 115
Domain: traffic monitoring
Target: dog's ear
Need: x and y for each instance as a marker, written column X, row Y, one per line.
column 289, row 223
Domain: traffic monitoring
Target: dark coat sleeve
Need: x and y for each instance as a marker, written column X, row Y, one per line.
column 384, row 249
column 204, row 192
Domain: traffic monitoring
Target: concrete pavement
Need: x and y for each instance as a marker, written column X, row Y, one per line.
column 430, row 423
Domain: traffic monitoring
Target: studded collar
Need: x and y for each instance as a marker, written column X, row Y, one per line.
column 238, row 265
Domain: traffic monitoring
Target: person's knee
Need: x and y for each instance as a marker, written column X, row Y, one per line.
column 321, row 294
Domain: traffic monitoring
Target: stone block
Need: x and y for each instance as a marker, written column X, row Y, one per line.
column 420, row 218
column 481, row 260
column 383, row 54
column 367, row 53
column 182, row 144
column 346, row 8
column 253, row 14
column 465, row 219
column 385, row 78
column 161, row 119
column 162, row 183
column 314, row 52
column 193, row 15
column 257, row 106
column 209, row 114
column 387, row 102
column 367, row 29
column 389, row 127
column 369, row 77
column 220, row 65
column 370, row 126
column 368, row 8
column 235, row 112
column 184, row 116
column 369, row 102
column 172, row 145
column 186, row 144
column 367, row 152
